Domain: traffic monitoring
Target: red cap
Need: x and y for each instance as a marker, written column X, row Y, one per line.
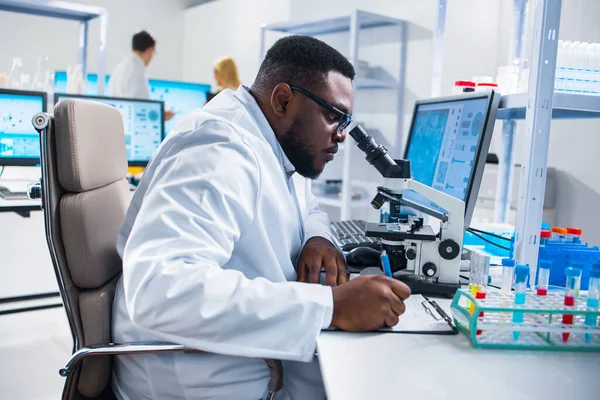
column 464, row 83
column 487, row 84
column 574, row 231
column 545, row 234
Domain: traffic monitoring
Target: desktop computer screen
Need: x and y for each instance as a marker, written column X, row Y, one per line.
column 448, row 143
column 142, row 121
column 180, row 97
column 19, row 141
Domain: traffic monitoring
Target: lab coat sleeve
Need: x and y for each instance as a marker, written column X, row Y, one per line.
column 140, row 85
column 316, row 222
column 185, row 231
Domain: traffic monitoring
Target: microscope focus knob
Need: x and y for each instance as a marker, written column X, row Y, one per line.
column 411, row 254
column 449, row 249
column 429, row 269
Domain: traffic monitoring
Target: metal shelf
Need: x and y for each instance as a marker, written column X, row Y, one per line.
column 333, row 25
column 565, row 106
column 334, row 202
column 369, row 83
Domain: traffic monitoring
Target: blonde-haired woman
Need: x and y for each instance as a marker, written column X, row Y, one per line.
column 226, row 74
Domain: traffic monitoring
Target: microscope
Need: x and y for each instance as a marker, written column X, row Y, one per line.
column 424, row 257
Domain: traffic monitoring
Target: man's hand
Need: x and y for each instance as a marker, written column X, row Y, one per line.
column 367, row 303
column 319, row 252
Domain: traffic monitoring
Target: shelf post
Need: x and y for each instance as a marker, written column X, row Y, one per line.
column 438, row 50
column 103, row 21
column 538, row 116
column 505, row 167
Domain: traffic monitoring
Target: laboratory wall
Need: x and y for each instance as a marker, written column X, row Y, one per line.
column 227, row 28
column 30, row 37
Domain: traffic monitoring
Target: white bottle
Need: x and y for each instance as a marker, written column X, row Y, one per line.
column 39, row 79
column 14, row 78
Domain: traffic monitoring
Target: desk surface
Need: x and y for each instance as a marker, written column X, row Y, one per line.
column 19, row 203
column 397, row 366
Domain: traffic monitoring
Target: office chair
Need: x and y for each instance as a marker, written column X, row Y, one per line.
column 84, row 198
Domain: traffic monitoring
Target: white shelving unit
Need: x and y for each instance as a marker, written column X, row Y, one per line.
column 538, row 107
column 84, row 14
column 353, row 24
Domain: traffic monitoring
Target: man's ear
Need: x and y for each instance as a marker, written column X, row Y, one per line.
column 280, row 99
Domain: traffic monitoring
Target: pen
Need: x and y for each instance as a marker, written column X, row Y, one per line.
column 592, row 299
column 573, row 278
column 521, row 274
column 385, row 262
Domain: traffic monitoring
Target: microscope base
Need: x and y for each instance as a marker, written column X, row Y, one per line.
column 420, row 285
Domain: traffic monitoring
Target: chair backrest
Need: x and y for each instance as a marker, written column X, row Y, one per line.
column 86, row 164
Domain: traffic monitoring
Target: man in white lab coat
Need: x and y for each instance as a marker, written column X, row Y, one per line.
column 129, row 79
column 222, row 237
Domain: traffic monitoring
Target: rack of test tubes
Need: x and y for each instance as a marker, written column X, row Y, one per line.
column 532, row 320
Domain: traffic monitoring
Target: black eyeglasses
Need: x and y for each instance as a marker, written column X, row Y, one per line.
column 345, row 119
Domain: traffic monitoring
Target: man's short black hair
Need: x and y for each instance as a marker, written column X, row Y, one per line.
column 142, row 41
column 300, row 61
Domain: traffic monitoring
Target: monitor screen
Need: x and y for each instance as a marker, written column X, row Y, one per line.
column 143, row 124
column 180, row 97
column 19, row 141
column 448, row 143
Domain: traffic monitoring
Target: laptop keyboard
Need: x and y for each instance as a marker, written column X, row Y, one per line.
column 350, row 234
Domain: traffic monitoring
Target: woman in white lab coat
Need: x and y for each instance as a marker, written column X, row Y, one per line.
column 220, row 229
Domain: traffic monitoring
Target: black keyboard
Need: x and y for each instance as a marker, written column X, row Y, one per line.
column 350, row 234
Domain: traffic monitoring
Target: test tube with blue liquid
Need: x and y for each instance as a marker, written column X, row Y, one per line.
column 573, row 275
column 592, row 299
column 521, row 275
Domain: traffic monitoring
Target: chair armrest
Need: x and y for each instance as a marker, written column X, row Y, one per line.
column 114, row 349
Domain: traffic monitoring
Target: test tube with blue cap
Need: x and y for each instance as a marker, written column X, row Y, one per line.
column 508, row 274
column 543, row 277
column 592, row 299
column 521, row 275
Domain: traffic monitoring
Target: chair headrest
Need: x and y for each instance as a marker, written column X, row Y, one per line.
column 90, row 145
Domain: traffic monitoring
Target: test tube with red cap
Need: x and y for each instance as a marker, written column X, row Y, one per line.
column 573, row 275
column 545, row 235
column 573, row 235
column 543, row 277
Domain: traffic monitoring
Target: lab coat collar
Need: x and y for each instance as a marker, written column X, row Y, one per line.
column 244, row 96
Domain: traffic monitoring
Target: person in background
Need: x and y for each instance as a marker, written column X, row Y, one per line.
column 226, row 76
column 129, row 79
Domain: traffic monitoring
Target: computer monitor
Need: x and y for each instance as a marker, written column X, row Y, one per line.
column 19, row 141
column 143, row 124
column 180, row 97
column 91, row 83
column 448, row 143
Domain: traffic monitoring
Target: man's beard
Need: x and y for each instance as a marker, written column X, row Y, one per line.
column 299, row 153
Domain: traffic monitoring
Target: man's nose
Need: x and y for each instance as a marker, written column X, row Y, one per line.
column 339, row 137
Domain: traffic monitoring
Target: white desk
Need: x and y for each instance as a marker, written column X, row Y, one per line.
column 374, row 366
column 21, row 207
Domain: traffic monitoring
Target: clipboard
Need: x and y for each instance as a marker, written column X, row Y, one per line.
column 422, row 317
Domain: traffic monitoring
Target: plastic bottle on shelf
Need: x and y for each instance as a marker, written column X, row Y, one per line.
column 463, row 87
column 545, row 235
column 40, row 77
column 559, row 234
column 75, row 80
column 14, row 78
column 483, row 86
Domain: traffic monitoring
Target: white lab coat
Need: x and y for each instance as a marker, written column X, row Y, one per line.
column 129, row 79
column 208, row 248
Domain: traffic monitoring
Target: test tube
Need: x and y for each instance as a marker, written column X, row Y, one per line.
column 592, row 299
column 573, row 235
column 559, row 234
column 521, row 274
column 508, row 273
column 543, row 277
column 545, row 235
column 573, row 275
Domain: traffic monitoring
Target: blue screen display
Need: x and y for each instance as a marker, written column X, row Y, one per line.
column 18, row 138
column 444, row 143
column 180, row 97
column 142, row 122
